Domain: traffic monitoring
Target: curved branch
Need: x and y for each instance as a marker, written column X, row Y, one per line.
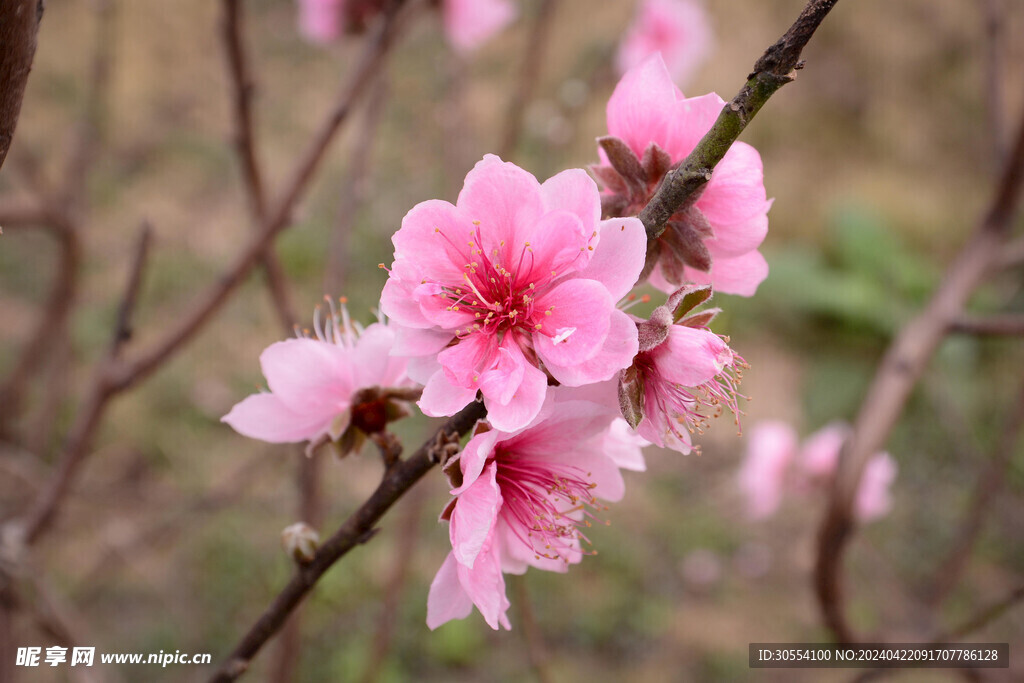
column 357, row 529
column 898, row 373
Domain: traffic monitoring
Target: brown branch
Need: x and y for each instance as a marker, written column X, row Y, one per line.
column 983, row 618
column 242, row 88
column 533, row 58
column 1012, row 255
column 358, row 528
column 19, row 25
column 99, row 392
column 900, row 369
column 985, row 492
column 52, row 325
column 1009, row 324
column 278, row 219
column 773, row 69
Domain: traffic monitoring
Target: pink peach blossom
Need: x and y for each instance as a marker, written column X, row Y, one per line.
column 678, row 29
column 771, row 449
column 522, row 499
column 715, row 239
column 313, row 380
column 873, row 499
column 516, row 281
column 691, row 373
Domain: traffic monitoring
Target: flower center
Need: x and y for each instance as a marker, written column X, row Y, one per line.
column 547, row 506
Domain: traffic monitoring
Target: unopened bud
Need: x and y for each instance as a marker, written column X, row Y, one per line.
column 300, row 541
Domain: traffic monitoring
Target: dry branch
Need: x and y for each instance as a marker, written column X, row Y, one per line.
column 900, row 369
column 19, row 25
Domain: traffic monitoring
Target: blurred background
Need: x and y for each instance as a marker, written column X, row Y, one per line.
column 881, row 158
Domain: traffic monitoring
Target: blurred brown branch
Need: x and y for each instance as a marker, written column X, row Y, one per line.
column 19, row 26
column 533, row 58
column 242, row 88
column 100, row 391
column 1009, row 324
column 898, row 373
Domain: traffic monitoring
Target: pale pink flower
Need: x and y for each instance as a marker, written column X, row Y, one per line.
column 775, row 467
column 713, row 240
column 678, row 29
column 522, row 499
column 762, row 477
column 518, row 279
column 470, row 23
column 320, row 21
column 685, row 379
column 313, row 382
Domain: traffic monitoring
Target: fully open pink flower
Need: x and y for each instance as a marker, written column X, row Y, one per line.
column 515, row 279
column 713, row 240
column 523, row 499
column 312, row 383
column 678, row 29
column 762, row 477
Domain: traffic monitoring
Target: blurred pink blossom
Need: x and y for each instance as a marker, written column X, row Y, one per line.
column 714, row 240
column 467, row 23
column 678, row 29
column 518, row 279
column 774, row 466
column 523, row 499
column 320, row 21
column 762, row 477
column 313, row 381
column 470, row 23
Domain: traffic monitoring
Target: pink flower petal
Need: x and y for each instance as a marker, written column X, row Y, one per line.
column 740, row 275
column 873, row 498
column 620, row 346
column 640, row 109
column 441, row 398
column 320, row 20
column 678, row 29
column 485, row 586
column 473, row 519
column 691, row 356
column 267, row 418
column 436, row 233
column 507, row 202
column 819, row 455
column 524, row 403
column 474, row 457
column 625, row 447
column 308, row 374
column 447, row 599
column 574, row 191
column 619, row 256
column 578, row 325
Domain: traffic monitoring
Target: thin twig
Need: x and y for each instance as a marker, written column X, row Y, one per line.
column 985, row 492
column 358, row 528
column 100, row 391
column 901, row 368
column 242, row 88
column 774, row 69
column 983, row 618
column 278, row 219
column 533, row 58
column 1008, row 324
